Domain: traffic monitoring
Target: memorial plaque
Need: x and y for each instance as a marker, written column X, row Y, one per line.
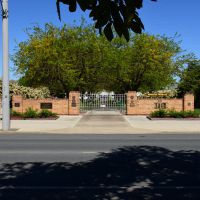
column 46, row 105
column 160, row 106
column 73, row 101
column 17, row 104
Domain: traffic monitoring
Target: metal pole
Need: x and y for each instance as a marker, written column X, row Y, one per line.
column 5, row 84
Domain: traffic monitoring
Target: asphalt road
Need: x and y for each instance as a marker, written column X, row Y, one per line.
column 78, row 148
column 151, row 166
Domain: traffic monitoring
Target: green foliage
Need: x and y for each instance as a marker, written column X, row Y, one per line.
column 15, row 113
column 46, row 113
column 61, row 59
column 108, row 14
column 190, row 81
column 196, row 113
column 76, row 58
column 159, row 113
column 175, row 114
column 197, row 110
column 147, row 63
column 30, row 113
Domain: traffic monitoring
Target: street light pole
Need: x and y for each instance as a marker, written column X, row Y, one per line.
column 5, row 84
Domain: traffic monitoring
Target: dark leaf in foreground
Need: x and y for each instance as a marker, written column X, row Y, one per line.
column 122, row 14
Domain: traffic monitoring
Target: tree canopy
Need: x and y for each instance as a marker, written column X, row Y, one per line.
column 62, row 59
column 121, row 15
column 190, row 81
column 76, row 58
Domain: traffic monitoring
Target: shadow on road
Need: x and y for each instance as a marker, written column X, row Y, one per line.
column 139, row 172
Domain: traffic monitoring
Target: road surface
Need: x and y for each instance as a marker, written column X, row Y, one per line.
column 78, row 148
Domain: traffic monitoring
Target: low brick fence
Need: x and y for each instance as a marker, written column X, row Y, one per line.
column 60, row 106
column 135, row 105
column 144, row 106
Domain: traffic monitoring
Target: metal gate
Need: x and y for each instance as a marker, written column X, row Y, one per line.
column 106, row 102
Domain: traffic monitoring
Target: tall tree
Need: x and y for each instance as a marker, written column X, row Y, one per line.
column 148, row 63
column 63, row 59
column 77, row 58
column 190, row 81
column 41, row 60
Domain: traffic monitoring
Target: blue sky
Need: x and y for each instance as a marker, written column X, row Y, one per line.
column 166, row 17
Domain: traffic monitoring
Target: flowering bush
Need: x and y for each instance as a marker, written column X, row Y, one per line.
column 27, row 92
column 158, row 94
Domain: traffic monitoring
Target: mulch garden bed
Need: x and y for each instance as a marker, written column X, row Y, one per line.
column 22, row 118
column 172, row 118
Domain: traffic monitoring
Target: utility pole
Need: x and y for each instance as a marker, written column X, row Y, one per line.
column 5, row 84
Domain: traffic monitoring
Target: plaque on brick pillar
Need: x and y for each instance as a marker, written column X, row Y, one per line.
column 17, row 104
column 73, row 101
column 74, row 98
column 132, row 101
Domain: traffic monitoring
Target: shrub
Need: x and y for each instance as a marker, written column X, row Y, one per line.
column 172, row 113
column 27, row 92
column 159, row 113
column 46, row 113
column 196, row 113
column 31, row 113
column 183, row 114
column 189, row 114
column 15, row 113
column 175, row 114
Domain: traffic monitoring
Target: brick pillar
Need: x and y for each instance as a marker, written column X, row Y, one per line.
column 74, row 103
column 188, row 102
column 17, row 103
column 131, row 103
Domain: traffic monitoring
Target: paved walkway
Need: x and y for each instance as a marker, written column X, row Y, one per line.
column 103, row 122
column 174, row 125
column 44, row 125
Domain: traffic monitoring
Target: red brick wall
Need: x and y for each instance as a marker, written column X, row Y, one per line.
column 136, row 106
column 17, row 100
column 59, row 106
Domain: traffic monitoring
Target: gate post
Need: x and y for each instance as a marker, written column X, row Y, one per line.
column 188, row 102
column 74, row 103
column 131, row 103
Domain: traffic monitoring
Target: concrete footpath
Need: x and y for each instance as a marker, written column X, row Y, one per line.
column 103, row 122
